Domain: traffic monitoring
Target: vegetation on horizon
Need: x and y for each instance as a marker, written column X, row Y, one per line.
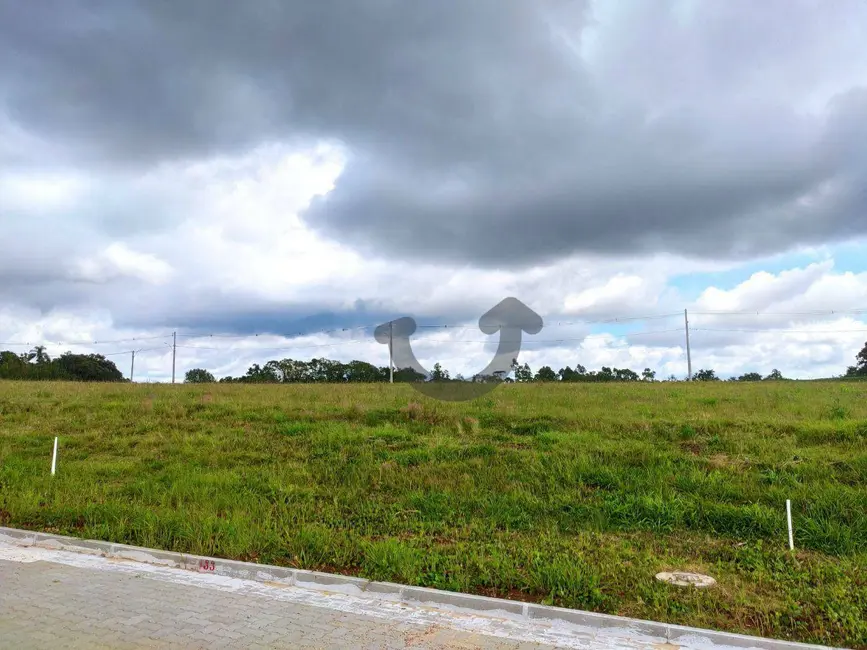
column 36, row 364
column 329, row 371
column 570, row 495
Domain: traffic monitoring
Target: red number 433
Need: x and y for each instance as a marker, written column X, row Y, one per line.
column 206, row 565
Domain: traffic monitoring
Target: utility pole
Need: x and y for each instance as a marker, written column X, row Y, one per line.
column 174, row 353
column 390, row 353
column 132, row 366
column 688, row 354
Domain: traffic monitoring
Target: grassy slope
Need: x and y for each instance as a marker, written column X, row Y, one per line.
column 573, row 495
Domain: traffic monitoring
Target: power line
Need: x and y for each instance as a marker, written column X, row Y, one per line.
column 775, row 329
column 589, row 321
column 586, row 321
column 254, row 335
column 89, row 341
column 781, row 313
column 113, row 354
column 291, row 347
column 464, row 326
column 455, row 326
column 618, row 340
column 429, row 340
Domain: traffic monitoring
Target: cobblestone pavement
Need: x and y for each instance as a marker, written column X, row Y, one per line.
column 44, row 604
column 52, row 597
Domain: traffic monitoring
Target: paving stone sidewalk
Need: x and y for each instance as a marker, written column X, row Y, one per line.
column 49, row 605
column 66, row 593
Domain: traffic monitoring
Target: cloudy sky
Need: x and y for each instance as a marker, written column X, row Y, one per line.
column 275, row 178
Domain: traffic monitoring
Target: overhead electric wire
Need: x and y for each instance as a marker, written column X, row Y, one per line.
column 166, row 347
column 817, row 312
column 245, row 336
column 421, row 340
column 91, row 341
column 783, row 330
column 587, row 321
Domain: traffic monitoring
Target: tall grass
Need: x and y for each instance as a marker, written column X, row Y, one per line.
column 574, row 495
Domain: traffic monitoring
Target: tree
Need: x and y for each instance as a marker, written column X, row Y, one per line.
column 750, row 376
column 522, row 373
column 705, row 375
column 86, row 367
column 257, row 374
column 361, row 371
column 567, row 374
column 438, row 374
column 625, row 374
column 546, row 373
column 39, row 355
column 198, row 376
column 605, row 374
column 11, row 365
column 775, row 375
column 648, row 375
column 860, row 367
column 407, row 375
column 37, row 365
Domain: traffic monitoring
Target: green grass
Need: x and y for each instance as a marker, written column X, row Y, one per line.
column 574, row 495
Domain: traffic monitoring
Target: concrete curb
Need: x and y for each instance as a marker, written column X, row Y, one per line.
column 418, row 596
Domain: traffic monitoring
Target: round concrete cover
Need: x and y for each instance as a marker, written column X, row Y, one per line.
column 686, row 579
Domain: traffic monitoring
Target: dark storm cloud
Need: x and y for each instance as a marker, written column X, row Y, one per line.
column 255, row 317
column 477, row 131
column 204, row 311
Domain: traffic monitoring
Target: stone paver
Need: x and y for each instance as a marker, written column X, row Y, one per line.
column 90, row 597
column 50, row 605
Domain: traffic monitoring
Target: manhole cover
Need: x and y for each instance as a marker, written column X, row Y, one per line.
column 685, row 579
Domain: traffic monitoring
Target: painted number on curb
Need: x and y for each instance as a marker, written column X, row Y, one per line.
column 206, row 565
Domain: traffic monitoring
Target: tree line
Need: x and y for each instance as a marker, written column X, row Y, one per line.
column 36, row 364
column 331, row 371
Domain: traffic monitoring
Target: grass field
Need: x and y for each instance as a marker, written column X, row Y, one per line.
column 574, row 495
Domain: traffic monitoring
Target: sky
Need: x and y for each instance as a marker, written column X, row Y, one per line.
column 273, row 180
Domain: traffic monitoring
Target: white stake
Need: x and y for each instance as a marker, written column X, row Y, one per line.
column 789, row 517
column 54, row 457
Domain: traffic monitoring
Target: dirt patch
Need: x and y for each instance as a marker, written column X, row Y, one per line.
column 413, row 411
column 693, row 448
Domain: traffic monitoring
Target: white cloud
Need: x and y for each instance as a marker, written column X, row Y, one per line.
column 764, row 289
column 118, row 260
column 615, row 291
column 239, row 237
column 40, row 191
